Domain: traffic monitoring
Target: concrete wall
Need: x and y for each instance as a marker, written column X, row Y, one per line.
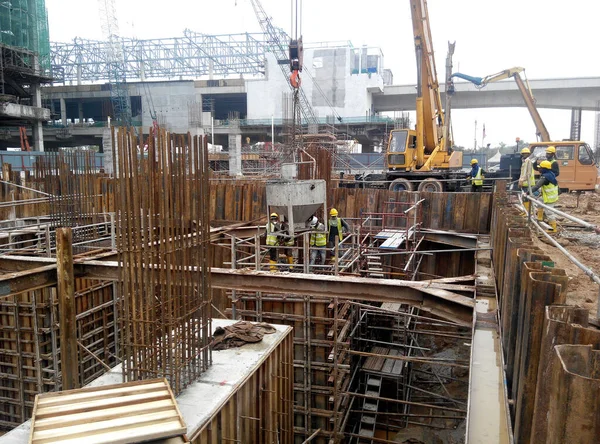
column 350, row 94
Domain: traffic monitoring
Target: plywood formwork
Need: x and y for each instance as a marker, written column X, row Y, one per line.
column 114, row 414
column 30, row 343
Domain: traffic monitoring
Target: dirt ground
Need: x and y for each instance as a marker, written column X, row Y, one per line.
column 583, row 244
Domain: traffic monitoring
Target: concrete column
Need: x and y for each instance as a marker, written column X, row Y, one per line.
column 235, row 154
column 37, row 130
column 80, row 109
column 63, row 111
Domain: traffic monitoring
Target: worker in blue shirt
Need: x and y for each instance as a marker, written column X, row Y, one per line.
column 476, row 176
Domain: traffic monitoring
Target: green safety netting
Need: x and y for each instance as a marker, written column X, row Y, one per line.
column 24, row 24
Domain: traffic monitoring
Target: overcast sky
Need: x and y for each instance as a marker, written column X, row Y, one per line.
column 550, row 38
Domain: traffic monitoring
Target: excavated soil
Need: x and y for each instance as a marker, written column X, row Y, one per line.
column 583, row 244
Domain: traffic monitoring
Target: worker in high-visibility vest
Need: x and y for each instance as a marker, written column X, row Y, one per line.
column 549, row 186
column 527, row 178
column 337, row 227
column 318, row 241
column 288, row 241
column 550, row 157
column 273, row 228
column 476, row 176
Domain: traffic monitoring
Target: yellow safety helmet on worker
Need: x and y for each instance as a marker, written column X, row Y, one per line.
column 551, row 149
column 525, row 151
column 274, row 215
column 474, row 161
column 333, row 212
column 545, row 164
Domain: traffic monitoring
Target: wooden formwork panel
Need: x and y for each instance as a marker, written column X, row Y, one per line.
column 30, row 344
column 132, row 412
column 260, row 410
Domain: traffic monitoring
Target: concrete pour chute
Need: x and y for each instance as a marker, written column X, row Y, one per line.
column 298, row 200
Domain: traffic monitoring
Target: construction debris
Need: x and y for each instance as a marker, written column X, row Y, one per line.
column 239, row 334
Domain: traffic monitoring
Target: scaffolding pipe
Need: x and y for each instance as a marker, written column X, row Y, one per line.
column 581, row 222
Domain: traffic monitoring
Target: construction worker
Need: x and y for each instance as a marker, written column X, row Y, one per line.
column 318, row 241
column 526, row 179
column 273, row 228
column 549, row 186
column 550, row 157
column 337, row 227
column 476, row 176
column 287, row 241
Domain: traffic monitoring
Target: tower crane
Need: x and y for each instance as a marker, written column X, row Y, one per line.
column 119, row 93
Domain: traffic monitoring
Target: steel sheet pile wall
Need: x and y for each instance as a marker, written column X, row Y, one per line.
column 163, row 237
column 30, row 344
column 467, row 212
column 533, row 319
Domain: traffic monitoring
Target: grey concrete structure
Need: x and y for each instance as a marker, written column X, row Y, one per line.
column 582, row 93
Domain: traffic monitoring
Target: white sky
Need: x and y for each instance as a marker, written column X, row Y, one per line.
column 550, row 38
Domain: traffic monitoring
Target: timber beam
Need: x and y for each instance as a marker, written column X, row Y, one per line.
column 446, row 300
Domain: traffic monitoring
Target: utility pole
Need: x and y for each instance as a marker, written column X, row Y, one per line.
column 475, row 138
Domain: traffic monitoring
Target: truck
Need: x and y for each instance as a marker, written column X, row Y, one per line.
column 578, row 170
column 421, row 158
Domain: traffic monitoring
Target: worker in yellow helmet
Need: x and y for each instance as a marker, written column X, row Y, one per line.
column 273, row 228
column 476, row 176
column 337, row 227
column 288, row 241
column 318, row 241
column 549, row 186
column 526, row 179
column 550, row 157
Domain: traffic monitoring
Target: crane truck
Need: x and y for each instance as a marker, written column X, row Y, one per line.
column 578, row 170
column 422, row 156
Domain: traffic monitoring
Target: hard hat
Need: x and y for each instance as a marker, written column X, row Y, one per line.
column 314, row 221
column 551, row 149
column 333, row 212
column 546, row 164
column 474, row 161
column 274, row 215
column 525, row 151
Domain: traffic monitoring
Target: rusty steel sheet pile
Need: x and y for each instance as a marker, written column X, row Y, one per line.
column 534, row 321
column 163, row 230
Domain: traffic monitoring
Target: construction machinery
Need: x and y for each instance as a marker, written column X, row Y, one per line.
column 578, row 169
column 422, row 155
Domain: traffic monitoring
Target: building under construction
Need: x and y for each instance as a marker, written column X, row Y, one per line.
column 24, row 67
column 176, row 293
column 435, row 318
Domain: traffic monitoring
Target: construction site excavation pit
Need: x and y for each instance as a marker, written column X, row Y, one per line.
column 383, row 335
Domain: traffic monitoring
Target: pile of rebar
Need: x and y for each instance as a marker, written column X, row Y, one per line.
column 162, row 217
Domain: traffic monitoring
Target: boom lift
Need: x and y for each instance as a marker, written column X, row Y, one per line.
column 422, row 154
column 578, row 171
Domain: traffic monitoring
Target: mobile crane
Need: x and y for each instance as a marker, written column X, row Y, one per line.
column 423, row 154
column 578, row 171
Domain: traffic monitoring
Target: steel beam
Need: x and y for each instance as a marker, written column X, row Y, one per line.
column 440, row 298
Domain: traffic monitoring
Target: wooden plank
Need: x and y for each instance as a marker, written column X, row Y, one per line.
column 100, row 394
column 123, row 413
